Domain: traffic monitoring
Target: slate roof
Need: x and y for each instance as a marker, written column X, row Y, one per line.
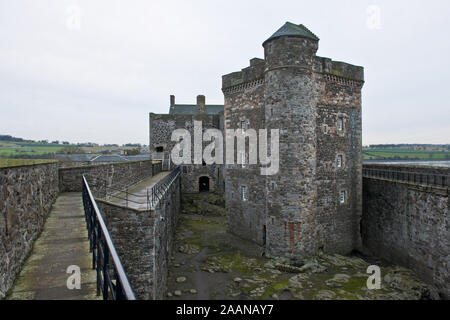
column 190, row 108
column 293, row 30
column 138, row 157
column 73, row 157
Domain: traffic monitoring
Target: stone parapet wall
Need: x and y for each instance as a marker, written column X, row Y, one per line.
column 117, row 174
column 408, row 224
column 26, row 197
column 143, row 240
column 132, row 232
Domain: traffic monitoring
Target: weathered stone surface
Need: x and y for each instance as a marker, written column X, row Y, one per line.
column 325, row 295
column 189, row 249
column 297, row 211
column 408, row 225
column 177, row 293
column 118, row 175
column 161, row 128
column 26, row 197
column 143, row 239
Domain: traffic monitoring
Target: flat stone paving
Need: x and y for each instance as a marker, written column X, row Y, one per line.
column 137, row 194
column 63, row 242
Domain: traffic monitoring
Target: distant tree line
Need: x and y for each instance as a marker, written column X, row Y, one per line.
column 405, row 145
column 9, row 138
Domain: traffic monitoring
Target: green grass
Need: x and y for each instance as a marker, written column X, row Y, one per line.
column 9, row 149
column 5, row 163
column 404, row 154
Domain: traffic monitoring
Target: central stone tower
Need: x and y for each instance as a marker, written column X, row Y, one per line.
column 290, row 105
column 314, row 201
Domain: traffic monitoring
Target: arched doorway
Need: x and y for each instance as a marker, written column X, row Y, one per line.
column 203, row 184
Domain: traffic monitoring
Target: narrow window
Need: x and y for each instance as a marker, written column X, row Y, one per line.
column 271, row 111
column 339, row 161
column 340, row 124
column 180, row 153
column 244, row 193
column 243, row 126
column 243, row 160
column 203, row 163
column 342, row 197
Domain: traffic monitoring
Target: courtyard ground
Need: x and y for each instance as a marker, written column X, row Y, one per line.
column 210, row 263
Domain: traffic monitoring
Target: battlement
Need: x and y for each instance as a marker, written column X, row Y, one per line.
column 252, row 73
column 338, row 69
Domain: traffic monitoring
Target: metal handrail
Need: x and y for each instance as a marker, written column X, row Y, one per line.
column 112, row 195
column 160, row 190
column 440, row 180
column 102, row 248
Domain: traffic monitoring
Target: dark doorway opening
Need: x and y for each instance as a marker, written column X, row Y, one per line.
column 264, row 235
column 203, row 184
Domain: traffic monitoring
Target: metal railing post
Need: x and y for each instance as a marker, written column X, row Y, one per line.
column 102, row 247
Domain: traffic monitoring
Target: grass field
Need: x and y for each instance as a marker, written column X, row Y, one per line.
column 8, row 149
column 14, row 149
column 21, row 162
column 404, row 154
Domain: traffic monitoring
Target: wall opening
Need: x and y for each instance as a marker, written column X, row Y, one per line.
column 264, row 235
column 203, row 184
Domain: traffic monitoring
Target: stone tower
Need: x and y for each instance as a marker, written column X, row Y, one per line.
column 314, row 201
column 290, row 106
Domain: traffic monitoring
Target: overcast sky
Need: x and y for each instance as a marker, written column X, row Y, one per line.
column 92, row 70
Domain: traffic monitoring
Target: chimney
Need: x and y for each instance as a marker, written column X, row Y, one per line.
column 172, row 100
column 201, row 108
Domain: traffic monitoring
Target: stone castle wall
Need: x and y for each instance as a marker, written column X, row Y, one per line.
column 338, row 98
column 244, row 102
column 298, row 210
column 26, row 197
column 407, row 224
column 143, row 240
column 116, row 174
column 161, row 128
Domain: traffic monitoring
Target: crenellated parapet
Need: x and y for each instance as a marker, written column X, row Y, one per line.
column 248, row 77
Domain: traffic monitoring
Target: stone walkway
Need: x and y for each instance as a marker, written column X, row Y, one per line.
column 138, row 193
column 62, row 243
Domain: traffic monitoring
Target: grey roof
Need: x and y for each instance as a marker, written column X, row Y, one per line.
column 293, row 30
column 138, row 157
column 73, row 157
column 190, row 108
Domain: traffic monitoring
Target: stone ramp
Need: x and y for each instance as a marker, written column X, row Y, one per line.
column 137, row 197
column 63, row 242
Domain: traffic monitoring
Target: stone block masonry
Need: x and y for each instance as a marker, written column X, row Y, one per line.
column 26, row 197
column 409, row 224
column 118, row 175
column 143, row 240
column 314, row 202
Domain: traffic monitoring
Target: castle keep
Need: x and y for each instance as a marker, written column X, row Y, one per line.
column 314, row 201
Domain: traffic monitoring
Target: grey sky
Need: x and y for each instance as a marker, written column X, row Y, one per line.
column 98, row 82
